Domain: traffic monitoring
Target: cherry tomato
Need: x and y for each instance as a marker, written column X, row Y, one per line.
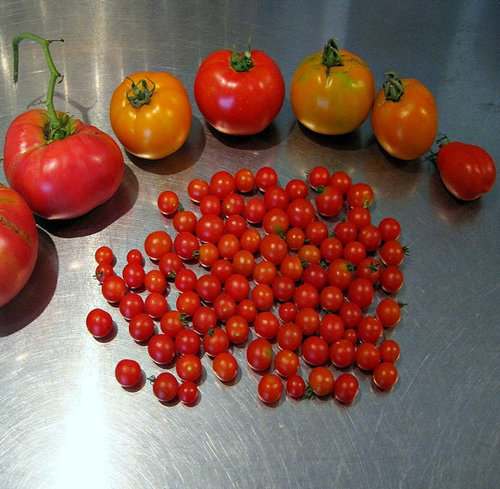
column 265, row 178
column 391, row 279
column 361, row 292
column 296, row 189
column 342, row 353
column 276, row 221
column 150, row 114
column 207, row 254
column 170, row 264
column 354, row 252
column 316, row 232
column 393, row 253
column 99, row 323
column 128, row 373
column 329, row 201
column 103, row 271
column 210, row 204
column 360, row 195
column 404, row 117
column 295, row 386
column 388, row 311
column 221, row 184
column 114, row 288
column 130, row 305
column 359, row 216
column 222, row 269
column 246, row 309
column 262, row 296
column 157, row 244
column 186, row 245
column 340, row 273
column 315, row 275
column 331, row 249
column 188, row 392
column 345, row 232
column 259, row 354
column 341, row 180
column 300, row 213
column 185, row 279
column 295, row 238
column 331, row 298
column 209, row 228
column 389, row 228
column 307, row 319
column 161, row 348
column 331, row 328
column 243, row 263
column 188, row 367
column 283, row 288
column 385, row 375
column 237, row 329
column 232, row 205
column 319, row 176
column 351, row 314
column 155, row 304
column 168, row 202
column 185, row 221
column 204, row 319
column 289, row 336
column 197, row 189
column 367, row 356
column 165, row 387
column 215, row 341
column 321, row 381
column 286, row 363
column 188, row 302
column 103, row 255
column 291, row 266
column 370, row 329
column 276, row 197
column 244, row 180
column 225, row 366
column 224, row 307
column 235, row 224
column 134, row 275
column 370, row 269
column 332, row 91
column 208, row 287
column 187, row 341
column 141, row 327
column 369, row 236
column 237, row 287
column 273, row 248
column 228, row 245
column 306, row 296
column 467, row 170
column 239, row 93
column 270, row 388
column 266, row 325
column 172, row 322
column 346, row 388
column 315, row 350
column 250, row 240
column 389, row 351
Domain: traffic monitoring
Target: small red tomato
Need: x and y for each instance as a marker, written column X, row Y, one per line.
column 385, row 375
column 295, row 386
column 165, row 387
column 128, row 373
column 225, row 366
column 259, row 354
column 345, row 388
column 99, row 323
column 467, row 171
column 270, row 388
column 168, row 202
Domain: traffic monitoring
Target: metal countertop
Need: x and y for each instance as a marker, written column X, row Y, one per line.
column 65, row 423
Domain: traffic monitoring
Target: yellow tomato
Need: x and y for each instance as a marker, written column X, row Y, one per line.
column 332, row 91
column 150, row 114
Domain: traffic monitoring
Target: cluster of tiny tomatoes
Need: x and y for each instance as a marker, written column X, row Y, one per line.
column 301, row 265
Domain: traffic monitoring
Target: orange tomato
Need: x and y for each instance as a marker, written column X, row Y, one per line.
column 332, row 91
column 150, row 114
column 404, row 117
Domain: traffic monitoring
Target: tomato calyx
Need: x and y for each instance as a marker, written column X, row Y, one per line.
column 241, row 62
column 393, row 87
column 139, row 93
column 331, row 55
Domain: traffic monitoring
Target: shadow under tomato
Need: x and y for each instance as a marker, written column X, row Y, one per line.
column 37, row 293
column 99, row 218
column 183, row 158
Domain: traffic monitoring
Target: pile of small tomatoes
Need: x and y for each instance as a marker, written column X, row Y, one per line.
column 298, row 276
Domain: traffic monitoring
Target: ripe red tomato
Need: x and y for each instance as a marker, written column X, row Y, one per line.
column 150, row 114
column 239, row 93
column 130, row 305
column 259, row 354
column 367, row 356
column 270, row 388
column 389, row 351
column 157, row 244
column 286, row 363
column 215, row 341
column 168, row 202
column 18, row 244
column 295, row 386
column 321, row 381
column 188, row 367
column 467, row 170
column 289, row 336
column 165, row 387
column 161, row 348
column 345, row 388
column 315, row 350
column 188, row 392
column 128, row 373
column 225, row 366
column 187, row 341
column 114, row 288
column 404, row 117
column 99, row 323
column 342, row 353
column 385, row 375
column 389, row 312
column 237, row 329
column 332, row 91
column 266, row 325
column 141, row 327
column 361, row 292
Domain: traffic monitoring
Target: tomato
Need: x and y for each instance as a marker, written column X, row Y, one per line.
column 237, row 329
column 114, row 288
column 161, row 348
column 186, row 245
column 391, row 279
column 289, row 336
column 361, row 292
column 369, row 236
column 128, row 373
column 207, row 254
column 367, row 356
column 134, row 275
column 262, row 296
column 287, row 311
column 270, row 388
column 388, row 311
column 359, row 216
column 291, row 266
column 385, row 375
column 321, row 381
column 250, row 240
column 342, row 353
column 188, row 367
column 222, row 269
column 389, row 351
column 351, row 314
column 243, row 263
column 185, row 279
column 283, row 288
column 265, row 178
column 246, row 309
column 354, row 252
column 315, row 275
column 232, row 205
column 225, row 367
column 210, row 204
column 345, row 388
column 221, row 184
column 276, row 197
column 317, row 177
column 255, row 210
column 141, row 327
column 208, row 287
column 370, row 329
column 331, row 328
column 295, row 386
column 168, row 202
column 155, row 304
column 275, row 220
column 309, row 254
column 188, row 302
column 239, row 93
column 273, row 248
column 467, row 170
column 130, row 305
column 99, row 323
column 370, row 269
column 188, row 392
column 244, row 180
column 360, row 195
column 172, row 322
column 393, row 253
column 332, row 91
column 215, row 341
column 315, row 350
column 150, row 114
column 228, row 245
column 170, row 263
column 389, row 229
column 308, row 320
column 103, row 271
column 204, row 319
column 329, row 201
column 224, row 307
column 404, row 117
column 18, row 244
column 165, row 387
column 306, row 296
column 185, row 221
column 300, row 213
column 237, row 287
column 209, row 228
column 266, row 325
column 341, row 180
column 340, row 273
column 295, row 238
column 331, row 249
column 104, row 255
column 296, row 189
column 187, row 341
column 235, row 224
column 316, row 232
column 157, row 243
column 286, row 363
column 259, row 354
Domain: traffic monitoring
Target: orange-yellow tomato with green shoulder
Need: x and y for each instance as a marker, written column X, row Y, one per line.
column 332, row 91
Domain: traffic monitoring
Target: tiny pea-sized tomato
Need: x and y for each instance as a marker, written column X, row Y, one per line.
column 385, row 375
column 19, row 245
column 259, row 354
column 270, row 388
column 99, row 323
column 345, row 388
column 332, row 91
column 225, row 366
column 404, row 117
column 150, row 114
column 165, row 387
column 239, row 93
column 168, row 202
column 321, row 381
column 467, row 170
column 128, row 373
column 295, row 386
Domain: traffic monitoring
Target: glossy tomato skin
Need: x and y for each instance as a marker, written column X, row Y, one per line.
column 66, row 178
column 239, row 102
column 406, row 129
column 334, row 100
column 18, row 244
column 467, row 170
column 158, row 128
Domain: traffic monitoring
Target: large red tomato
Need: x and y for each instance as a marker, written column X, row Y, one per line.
column 61, row 179
column 18, row 244
column 239, row 93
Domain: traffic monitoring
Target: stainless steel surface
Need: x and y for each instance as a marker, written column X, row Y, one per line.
column 64, row 421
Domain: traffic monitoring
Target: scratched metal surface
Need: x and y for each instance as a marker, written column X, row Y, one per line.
column 64, row 421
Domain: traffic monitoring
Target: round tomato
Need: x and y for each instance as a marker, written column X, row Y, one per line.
column 239, row 93
column 150, row 114
column 259, row 354
column 321, row 381
column 346, row 388
column 404, row 117
column 128, row 373
column 385, row 375
column 332, row 91
column 467, row 171
column 99, row 323
column 165, row 387
column 18, row 244
column 61, row 178
column 270, row 388
column 225, row 366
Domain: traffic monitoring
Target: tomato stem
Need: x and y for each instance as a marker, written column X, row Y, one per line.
column 59, row 127
column 393, row 87
column 241, row 61
column 331, row 55
column 140, row 95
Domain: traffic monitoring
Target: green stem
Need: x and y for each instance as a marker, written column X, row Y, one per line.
column 140, row 95
column 331, row 55
column 241, row 61
column 59, row 128
column 393, row 87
